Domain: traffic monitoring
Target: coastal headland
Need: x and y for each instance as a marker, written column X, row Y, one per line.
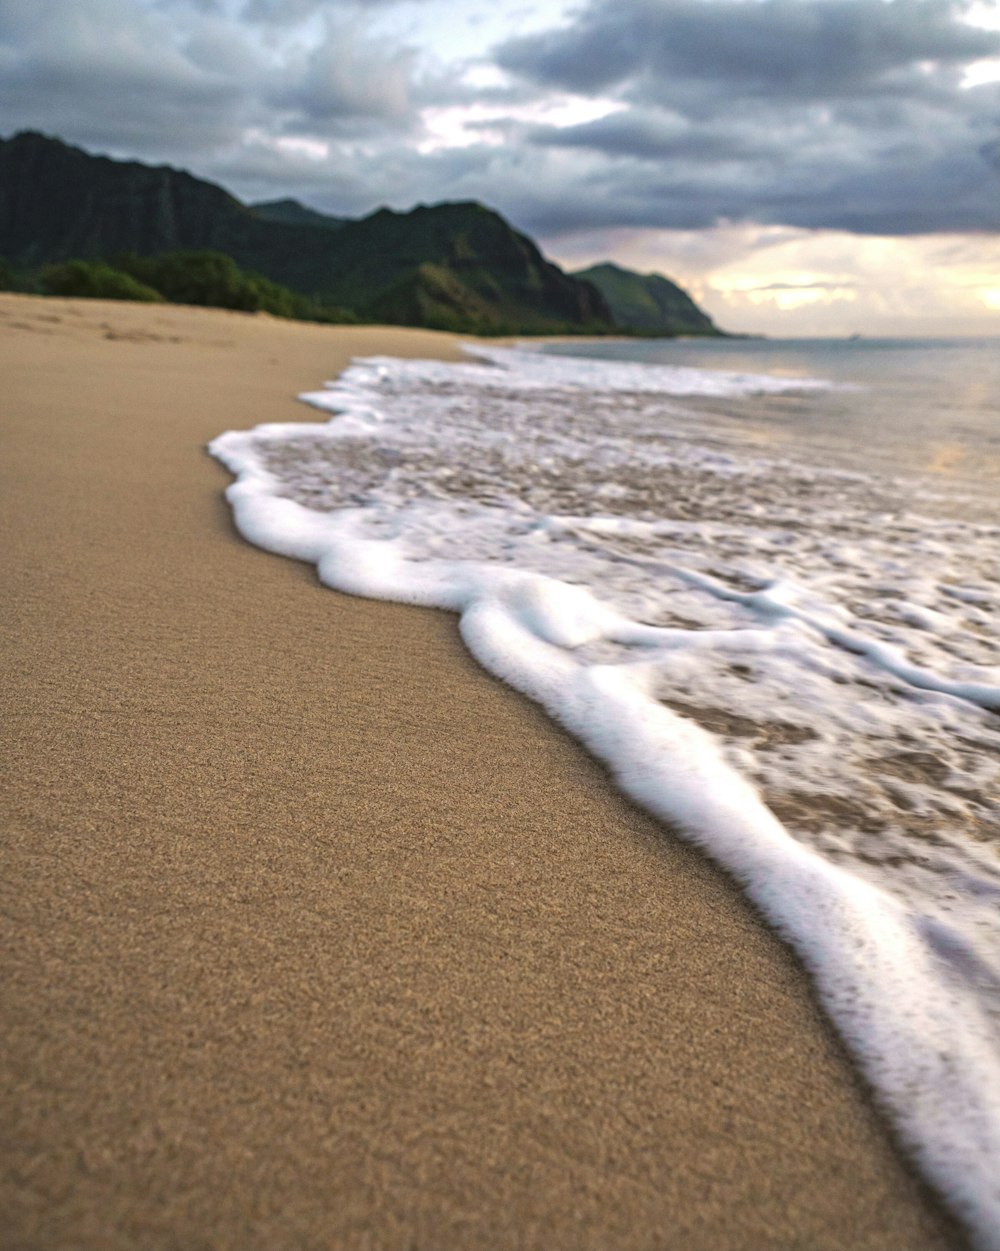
column 316, row 935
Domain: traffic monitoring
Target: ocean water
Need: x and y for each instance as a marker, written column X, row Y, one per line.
column 927, row 408
column 761, row 581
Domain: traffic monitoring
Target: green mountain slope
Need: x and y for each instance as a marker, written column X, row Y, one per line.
column 58, row 202
column 292, row 213
column 469, row 249
column 455, row 265
column 648, row 303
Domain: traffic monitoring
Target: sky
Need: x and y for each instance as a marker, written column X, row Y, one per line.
column 803, row 167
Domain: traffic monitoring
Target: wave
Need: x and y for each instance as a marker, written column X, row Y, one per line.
column 778, row 660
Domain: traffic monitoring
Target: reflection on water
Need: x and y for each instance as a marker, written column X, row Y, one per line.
column 903, row 407
column 945, row 458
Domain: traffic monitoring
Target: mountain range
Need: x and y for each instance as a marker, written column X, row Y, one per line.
column 454, row 266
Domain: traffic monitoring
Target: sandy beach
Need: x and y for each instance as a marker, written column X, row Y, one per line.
column 318, row 937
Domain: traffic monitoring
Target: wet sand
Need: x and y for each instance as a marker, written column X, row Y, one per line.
column 317, row 936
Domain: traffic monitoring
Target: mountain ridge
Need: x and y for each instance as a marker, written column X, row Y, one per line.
column 455, row 266
column 293, row 212
column 648, row 304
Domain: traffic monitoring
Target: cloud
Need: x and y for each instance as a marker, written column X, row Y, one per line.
column 349, row 74
column 112, row 73
column 285, row 12
column 789, row 49
column 654, row 135
column 279, row 11
column 933, row 285
column 802, row 286
column 786, row 281
column 799, row 114
column 843, row 114
column 188, row 81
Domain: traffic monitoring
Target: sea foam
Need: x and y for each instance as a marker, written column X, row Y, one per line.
column 787, row 664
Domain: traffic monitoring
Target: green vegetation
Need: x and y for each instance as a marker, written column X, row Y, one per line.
column 648, row 304
column 95, row 281
column 457, row 267
column 214, row 279
column 59, row 203
column 15, row 277
column 438, row 297
column 208, row 278
column 205, row 278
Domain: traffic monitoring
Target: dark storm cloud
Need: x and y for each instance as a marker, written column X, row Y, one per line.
column 793, row 49
column 106, row 72
column 990, row 152
column 845, row 114
column 912, row 189
column 809, row 113
column 655, row 136
column 279, row 11
column 282, row 12
column 871, row 170
column 185, row 80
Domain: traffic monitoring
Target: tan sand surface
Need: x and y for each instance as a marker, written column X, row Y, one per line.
column 317, row 937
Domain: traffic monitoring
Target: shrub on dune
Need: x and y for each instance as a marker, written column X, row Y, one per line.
column 94, row 280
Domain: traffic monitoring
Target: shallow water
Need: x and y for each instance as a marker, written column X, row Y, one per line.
column 777, row 646
column 927, row 408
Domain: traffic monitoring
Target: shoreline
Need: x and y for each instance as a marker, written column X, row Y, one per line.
column 324, row 938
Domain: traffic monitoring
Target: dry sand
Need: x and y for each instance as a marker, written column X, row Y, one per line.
column 318, row 937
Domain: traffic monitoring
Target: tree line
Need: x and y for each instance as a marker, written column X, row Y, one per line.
column 205, row 278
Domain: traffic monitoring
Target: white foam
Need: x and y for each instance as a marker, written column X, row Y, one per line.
column 619, row 561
